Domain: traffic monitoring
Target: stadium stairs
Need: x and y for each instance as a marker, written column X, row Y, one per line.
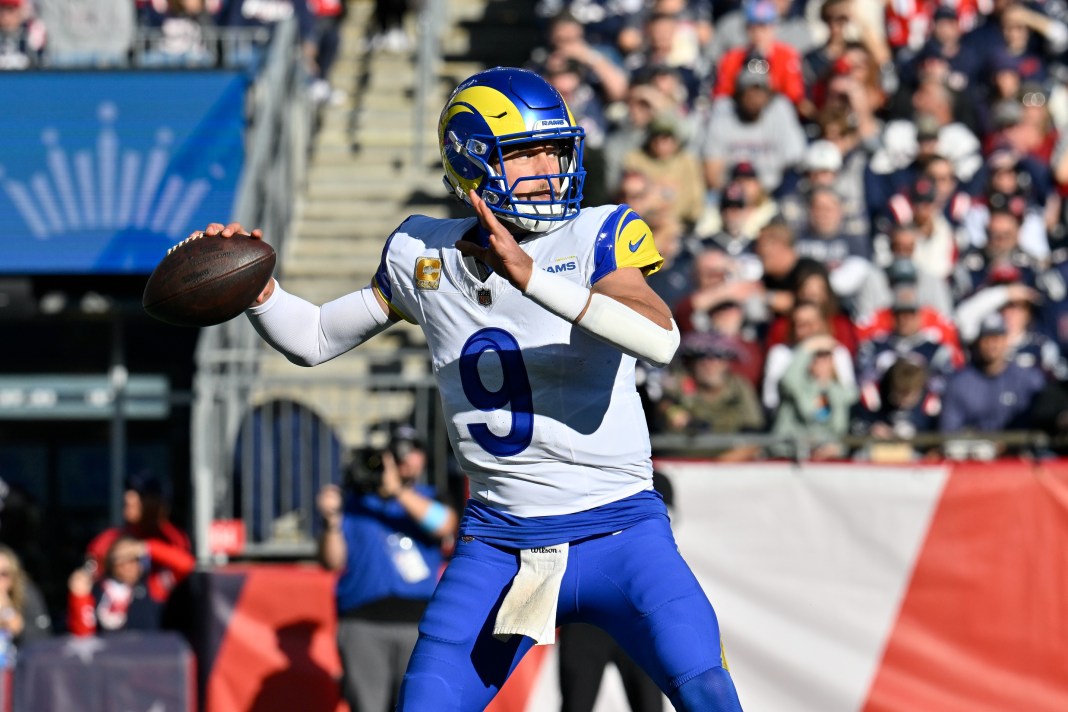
column 363, row 179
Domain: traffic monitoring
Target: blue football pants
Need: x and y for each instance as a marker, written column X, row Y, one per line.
column 634, row 585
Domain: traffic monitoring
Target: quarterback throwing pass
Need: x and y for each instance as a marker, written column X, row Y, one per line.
column 535, row 310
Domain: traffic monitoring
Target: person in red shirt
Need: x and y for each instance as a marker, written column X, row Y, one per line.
column 145, row 518
column 782, row 62
column 122, row 599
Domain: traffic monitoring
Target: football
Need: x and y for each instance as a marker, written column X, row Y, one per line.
column 206, row 280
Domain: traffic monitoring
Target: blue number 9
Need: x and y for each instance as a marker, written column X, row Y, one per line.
column 514, row 391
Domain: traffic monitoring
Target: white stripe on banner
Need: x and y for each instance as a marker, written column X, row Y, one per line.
column 806, row 567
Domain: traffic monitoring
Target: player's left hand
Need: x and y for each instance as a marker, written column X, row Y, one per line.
column 503, row 254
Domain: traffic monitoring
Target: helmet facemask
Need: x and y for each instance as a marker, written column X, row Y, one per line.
column 540, row 214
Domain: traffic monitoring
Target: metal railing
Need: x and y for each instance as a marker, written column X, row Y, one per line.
column 207, row 47
column 288, row 443
column 227, row 355
column 427, row 58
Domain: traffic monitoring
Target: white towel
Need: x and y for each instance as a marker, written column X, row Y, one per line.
column 529, row 607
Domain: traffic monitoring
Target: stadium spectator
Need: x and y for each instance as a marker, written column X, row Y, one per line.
column 853, row 84
column 962, row 64
column 1018, row 305
column 566, row 42
column 23, row 615
column 1053, row 287
column 146, row 519
column 643, row 102
column 661, row 45
column 664, row 159
column 79, row 38
column 900, row 407
column 22, row 36
column 938, row 241
column 122, row 599
column 778, row 61
column 389, row 34
column 840, row 127
column 736, row 226
column 569, row 78
column 781, row 269
column 934, row 291
column 693, row 35
column 1009, row 178
column 928, row 128
column 384, row 533
column 604, row 24
column 819, row 168
column 846, row 257
column 935, row 306
column 732, row 30
column 807, row 320
column 755, row 125
column 816, row 64
column 991, row 393
column 329, row 17
column 716, row 282
column 817, row 392
column 909, row 339
column 266, row 14
column 758, row 198
column 180, row 33
column 1001, row 259
column 709, row 396
column 814, row 286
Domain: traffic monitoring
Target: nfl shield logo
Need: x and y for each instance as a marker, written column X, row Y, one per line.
column 484, row 297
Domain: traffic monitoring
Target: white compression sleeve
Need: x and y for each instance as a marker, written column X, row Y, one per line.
column 310, row 335
column 605, row 318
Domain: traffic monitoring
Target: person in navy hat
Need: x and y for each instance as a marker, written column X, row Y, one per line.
column 1001, row 259
column 991, row 393
column 783, row 63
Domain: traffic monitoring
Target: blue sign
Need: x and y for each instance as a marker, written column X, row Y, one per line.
column 102, row 172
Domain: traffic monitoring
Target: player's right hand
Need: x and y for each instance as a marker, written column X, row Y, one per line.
column 503, row 254
column 231, row 230
column 235, row 228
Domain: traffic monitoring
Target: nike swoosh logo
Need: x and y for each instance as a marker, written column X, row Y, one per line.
column 635, row 245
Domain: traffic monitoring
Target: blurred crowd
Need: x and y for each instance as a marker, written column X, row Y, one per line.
column 860, row 206
column 173, row 33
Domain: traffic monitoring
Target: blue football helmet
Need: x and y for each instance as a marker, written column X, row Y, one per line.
column 499, row 110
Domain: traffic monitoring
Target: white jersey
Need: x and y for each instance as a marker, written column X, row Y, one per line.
column 543, row 417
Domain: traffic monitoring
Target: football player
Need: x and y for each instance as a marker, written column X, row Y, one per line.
column 534, row 311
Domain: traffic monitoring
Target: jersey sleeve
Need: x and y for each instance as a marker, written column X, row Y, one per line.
column 383, row 282
column 624, row 240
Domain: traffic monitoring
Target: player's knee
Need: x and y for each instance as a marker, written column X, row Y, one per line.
column 422, row 691
column 711, row 691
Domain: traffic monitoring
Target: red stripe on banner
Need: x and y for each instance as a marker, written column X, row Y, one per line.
column 516, row 693
column 280, row 650
column 984, row 623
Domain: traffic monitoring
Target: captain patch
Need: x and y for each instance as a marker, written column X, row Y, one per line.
column 427, row 273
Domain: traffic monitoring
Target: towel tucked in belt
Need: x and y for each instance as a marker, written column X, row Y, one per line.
column 529, row 607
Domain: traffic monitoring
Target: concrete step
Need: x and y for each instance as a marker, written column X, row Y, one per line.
column 397, row 186
column 316, row 224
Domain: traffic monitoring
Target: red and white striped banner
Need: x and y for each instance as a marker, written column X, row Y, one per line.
column 856, row 588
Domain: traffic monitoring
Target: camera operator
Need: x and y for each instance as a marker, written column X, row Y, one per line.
column 384, row 533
